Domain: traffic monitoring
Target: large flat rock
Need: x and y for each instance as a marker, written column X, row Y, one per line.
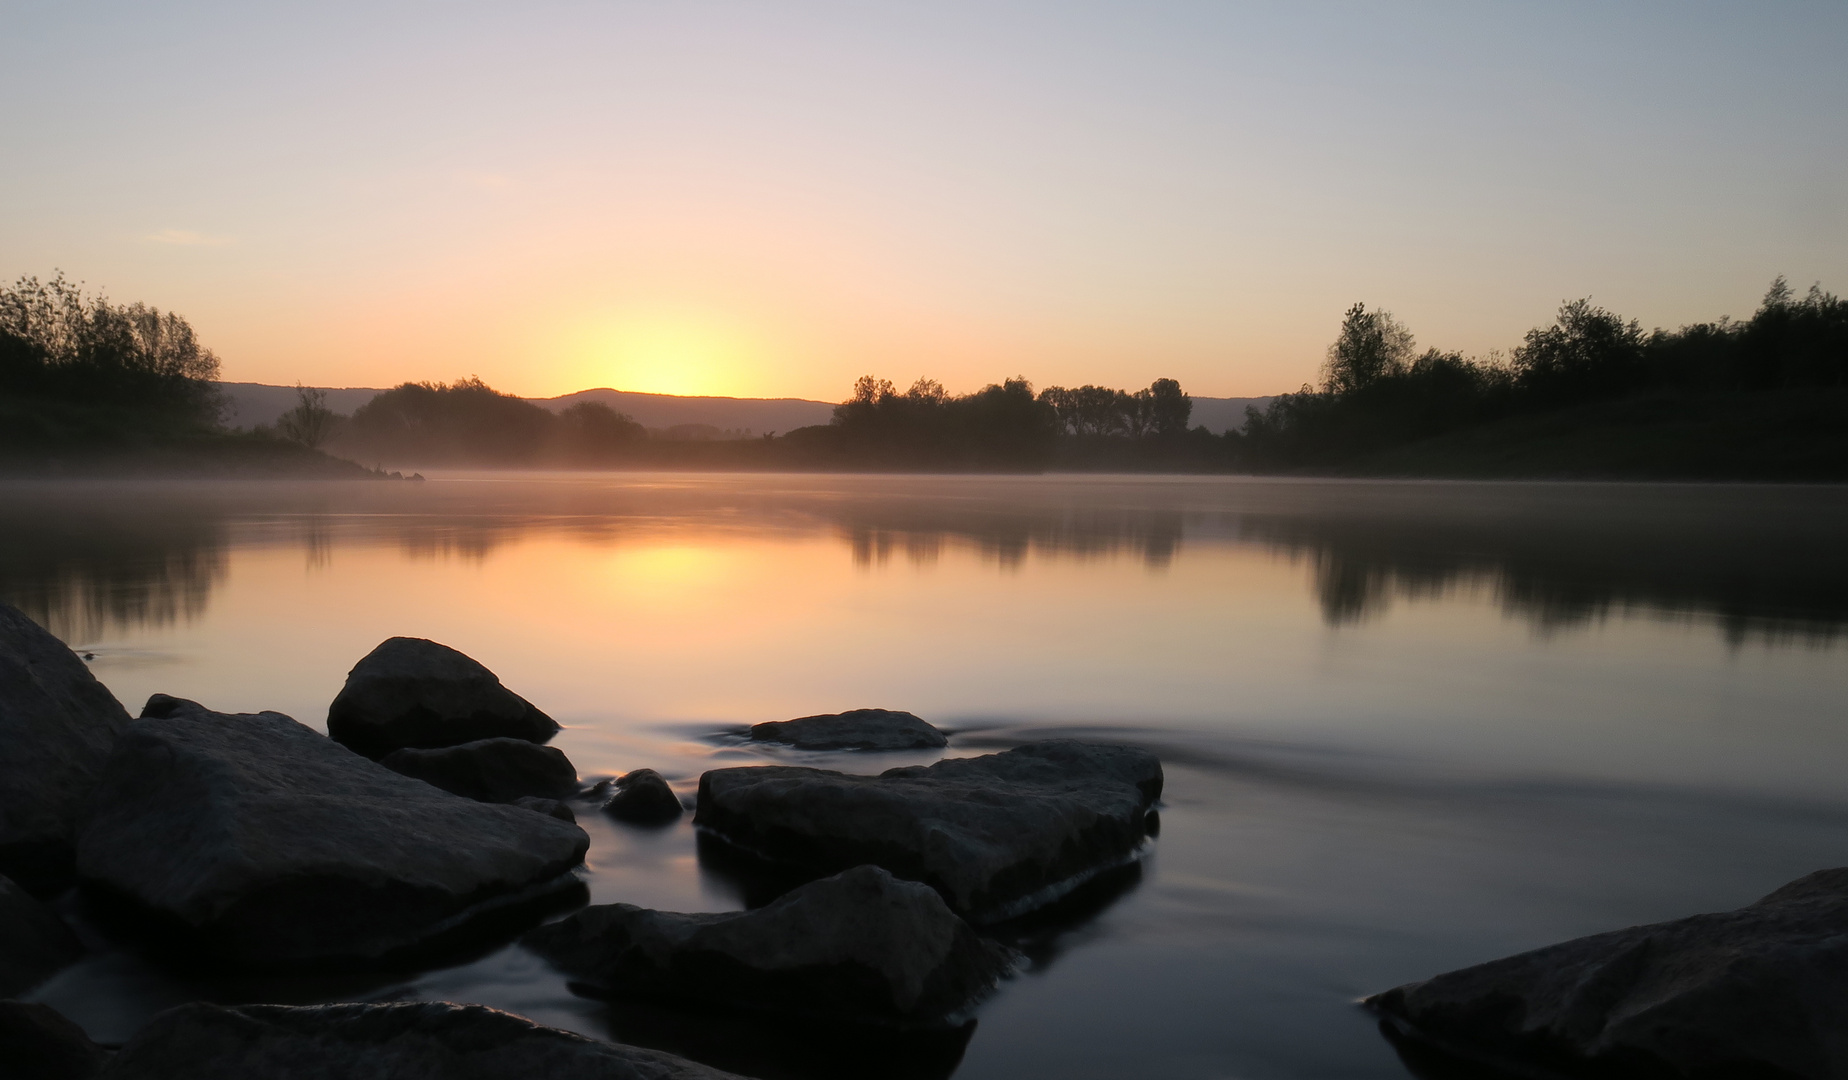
column 270, row 843
column 1758, row 992
column 57, row 725
column 860, row 946
column 34, row 942
column 417, row 693
column 421, row 1040
column 997, row 835
column 855, row 729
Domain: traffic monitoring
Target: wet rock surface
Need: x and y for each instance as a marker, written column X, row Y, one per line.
column 252, row 838
column 39, row 1043
column 410, row 692
column 57, row 725
column 1755, row 992
column 642, row 797
column 34, row 942
column 435, row 1040
column 860, row 946
column 855, row 729
column 997, row 835
column 489, row 770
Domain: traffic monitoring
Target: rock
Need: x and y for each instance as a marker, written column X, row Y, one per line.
column 861, row 946
column 416, row 693
column 997, row 836
column 38, row 1043
column 34, row 942
column 855, row 729
column 57, row 724
column 255, row 839
column 642, row 797
column 1756, row 992
column 548, row 807
column 412, row 1040
column 490, row 770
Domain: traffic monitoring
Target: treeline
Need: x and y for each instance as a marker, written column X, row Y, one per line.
column 61, row 350
column 1378, row 393
column 467, row 422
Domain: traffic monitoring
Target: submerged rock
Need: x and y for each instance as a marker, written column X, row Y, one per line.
column 1756, row 992
column 490, row 770
column 855, row 729
column 57, row 724
column 642, row 797
column 262, row 841
column 861, row 946
column 417, row 693
column 38, row 1043
column 34, row 942
column 997, row 836
column 421, row 1040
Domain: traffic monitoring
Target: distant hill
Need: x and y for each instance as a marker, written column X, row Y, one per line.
column 759, row 416
column 256, row 403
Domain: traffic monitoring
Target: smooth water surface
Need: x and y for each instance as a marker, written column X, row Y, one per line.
column 1406, row 726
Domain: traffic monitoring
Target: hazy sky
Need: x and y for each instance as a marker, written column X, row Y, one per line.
column 772, row 198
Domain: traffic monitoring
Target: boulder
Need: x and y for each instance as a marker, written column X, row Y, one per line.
column 34, row 942
column 1756, row 992
column 57, row 724
column 255, row 839
column 38, row 1043
column 861, row 946
column 548, row 807
column 490, row 770
column 411, row 1040
column 855, row 729
column 416, row 693
column 642, row 797
column 997, row 836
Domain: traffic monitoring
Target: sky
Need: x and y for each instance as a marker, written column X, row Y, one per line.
column 770, row 199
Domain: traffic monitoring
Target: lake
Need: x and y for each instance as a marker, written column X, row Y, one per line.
column 1407, row 726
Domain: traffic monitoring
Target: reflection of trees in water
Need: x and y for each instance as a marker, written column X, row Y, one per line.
column 85, row 576
column 1009, row 538
column 1788, row 588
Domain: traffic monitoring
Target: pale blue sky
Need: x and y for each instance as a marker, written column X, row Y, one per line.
column 773, row 198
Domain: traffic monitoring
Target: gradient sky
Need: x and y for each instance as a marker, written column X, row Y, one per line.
column 771, row 198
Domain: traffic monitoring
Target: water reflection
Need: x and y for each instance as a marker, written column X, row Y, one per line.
column 1760, row 562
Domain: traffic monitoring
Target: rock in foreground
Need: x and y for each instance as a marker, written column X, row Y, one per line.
column 34, row 942
column 417, row 693
column 1756, row 992
column 490, row 770
column 642, row 797
column 57, row 724
column 997, row 836
column 424, row 1040
column 861, row 946
column 269, row 843
column 855, row 729
column 38, row 1043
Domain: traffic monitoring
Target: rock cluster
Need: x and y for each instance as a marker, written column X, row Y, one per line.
column 861, row 946
column 57, row 725
column 1756, row 992
column 410, row 692
column 262, row 841
column 997, row 835
column 855, row 729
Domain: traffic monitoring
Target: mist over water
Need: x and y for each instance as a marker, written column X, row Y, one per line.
column 1407, row 726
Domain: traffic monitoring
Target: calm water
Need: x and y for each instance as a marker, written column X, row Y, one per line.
column 1406, row 726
